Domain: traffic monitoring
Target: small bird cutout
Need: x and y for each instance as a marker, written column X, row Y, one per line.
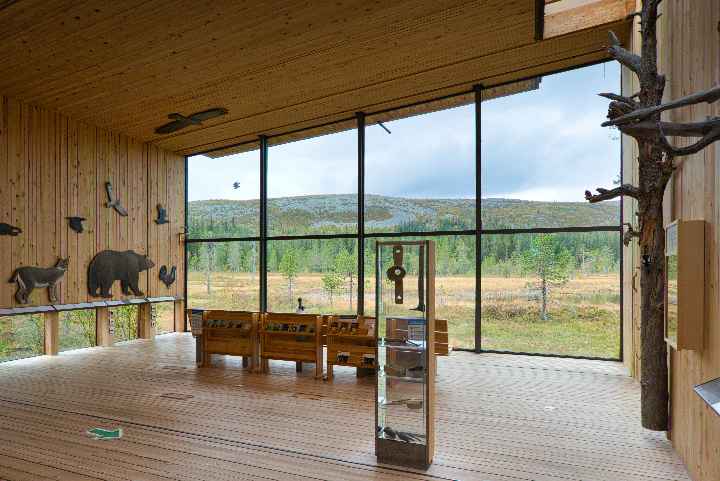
column 76, row 224
column 162, row 215
column 167, row 278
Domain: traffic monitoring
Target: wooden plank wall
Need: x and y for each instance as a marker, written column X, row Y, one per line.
column 690, row 57
column 54, row 168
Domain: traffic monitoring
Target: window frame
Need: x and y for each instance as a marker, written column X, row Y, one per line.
column 361, row 235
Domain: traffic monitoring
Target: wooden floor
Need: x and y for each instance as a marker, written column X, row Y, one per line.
column 501, row 418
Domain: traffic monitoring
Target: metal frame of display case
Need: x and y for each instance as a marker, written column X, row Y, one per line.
column 396, row 451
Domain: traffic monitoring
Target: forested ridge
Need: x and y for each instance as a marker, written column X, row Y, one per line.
column 501, row 254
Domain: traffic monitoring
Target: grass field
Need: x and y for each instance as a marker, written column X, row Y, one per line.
column 583, row 314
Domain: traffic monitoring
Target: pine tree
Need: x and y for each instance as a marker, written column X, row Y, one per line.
column 549, row 262
column 346, row 265
column 289, row 267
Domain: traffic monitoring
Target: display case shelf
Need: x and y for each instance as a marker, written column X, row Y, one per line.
column 405, row 384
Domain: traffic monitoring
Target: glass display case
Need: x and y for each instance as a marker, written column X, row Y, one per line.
column 405, row 313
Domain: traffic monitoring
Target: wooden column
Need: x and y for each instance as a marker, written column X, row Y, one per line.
column 52, row 333
column 104, row 331
column 180, row 316
column 146, row 328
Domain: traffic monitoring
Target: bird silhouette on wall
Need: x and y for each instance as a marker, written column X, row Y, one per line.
column 7, row 229
column 180, row 122
column 162, row 215
column 167, row 278
column 114, row 202
column 76, row 223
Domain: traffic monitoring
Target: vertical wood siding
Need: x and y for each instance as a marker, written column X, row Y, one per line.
column 690, row 57
column 53, row 167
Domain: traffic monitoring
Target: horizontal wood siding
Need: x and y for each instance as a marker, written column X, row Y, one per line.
column 54, row 167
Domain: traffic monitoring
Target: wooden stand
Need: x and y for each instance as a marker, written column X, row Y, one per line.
column 232, row 333
column 292, row 337
column 350, row 342
column 685, row 284
column 405, row 433
column 52, row 333
column 104, row 330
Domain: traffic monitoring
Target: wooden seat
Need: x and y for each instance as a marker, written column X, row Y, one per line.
column 350, row 342
column 291, row 337
column 233, row 333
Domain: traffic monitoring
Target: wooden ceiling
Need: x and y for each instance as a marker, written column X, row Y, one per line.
column 277, row 66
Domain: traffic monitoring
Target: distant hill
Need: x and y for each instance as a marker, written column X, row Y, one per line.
column 337, row 213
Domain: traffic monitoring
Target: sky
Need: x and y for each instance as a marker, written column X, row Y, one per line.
column 544, row 145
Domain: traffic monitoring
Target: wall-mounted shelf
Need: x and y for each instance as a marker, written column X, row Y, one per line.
column 685, row 284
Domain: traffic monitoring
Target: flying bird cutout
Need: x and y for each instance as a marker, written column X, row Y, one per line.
column 180, row 122
column 114, row 202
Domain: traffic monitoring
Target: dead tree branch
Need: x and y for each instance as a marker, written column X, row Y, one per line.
column 619, row 98
column 630, row 234
column 649, row 130
column 625, row 57
column 605, row 194
column 712, row 137
column 708, row 97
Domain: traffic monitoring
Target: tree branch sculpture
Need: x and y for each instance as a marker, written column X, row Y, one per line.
column 639, row 116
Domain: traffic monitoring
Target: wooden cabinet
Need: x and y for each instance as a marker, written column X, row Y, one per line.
column 350, row 342
column 233, row 333
column 292, row 337
column 685, row 284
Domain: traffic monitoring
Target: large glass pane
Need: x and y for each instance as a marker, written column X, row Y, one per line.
column 224, row 275
column 125, row 322
column 542, row 149
column 421, row 177
column 164, row 315
column 454, row 284
column 552, row 293
column 323, row 273
column 223, row 196
column 312, row 186
column 21, row 336
column 77, row 329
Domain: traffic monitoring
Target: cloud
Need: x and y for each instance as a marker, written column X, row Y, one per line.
column 540, row 145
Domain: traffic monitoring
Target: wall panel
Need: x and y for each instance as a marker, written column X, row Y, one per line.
column 690, row 57
column 54, row 168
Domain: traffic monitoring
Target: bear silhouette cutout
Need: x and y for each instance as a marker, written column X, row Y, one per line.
column 110, row 266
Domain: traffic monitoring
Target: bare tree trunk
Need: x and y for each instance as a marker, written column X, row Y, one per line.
column 351, row 290
column 544, row 292
column 654, row 372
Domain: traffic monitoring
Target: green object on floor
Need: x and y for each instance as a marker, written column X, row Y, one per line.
column 99, row 433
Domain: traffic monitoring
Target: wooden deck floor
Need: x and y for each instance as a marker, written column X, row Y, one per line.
column 501, row 418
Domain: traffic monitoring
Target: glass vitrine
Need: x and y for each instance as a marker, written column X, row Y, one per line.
column 405, row 313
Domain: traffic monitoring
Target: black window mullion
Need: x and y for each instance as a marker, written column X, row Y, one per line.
column 478, row 218
column 263, row 222
column 361, row 213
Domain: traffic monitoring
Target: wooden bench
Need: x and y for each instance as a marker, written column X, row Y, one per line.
column 233, row 333
column 350, row 342
column 291, row 337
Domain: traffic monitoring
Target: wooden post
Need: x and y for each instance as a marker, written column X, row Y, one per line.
column 52, row 333
column 318, row 349
column 179, row 316
column 104, row 330
column 146, row 327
